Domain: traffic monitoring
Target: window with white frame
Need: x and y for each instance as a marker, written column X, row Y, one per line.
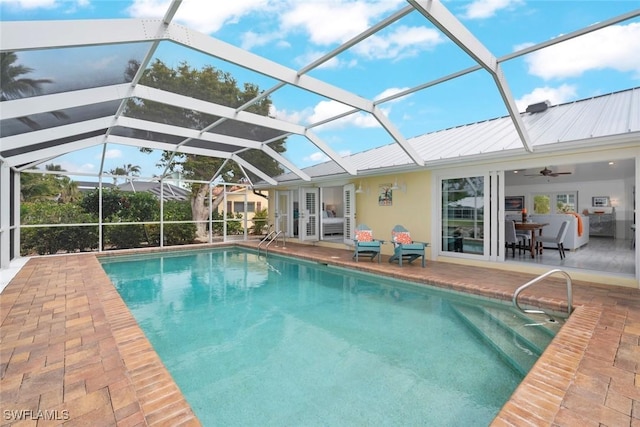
column 556, row 202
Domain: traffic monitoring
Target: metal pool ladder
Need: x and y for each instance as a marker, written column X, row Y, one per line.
column 270, row 238
column 538, row 279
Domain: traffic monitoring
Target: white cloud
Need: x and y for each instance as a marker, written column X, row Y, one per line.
column 31, row 4
column 327, row 109
column 297, row 117
column 392, row 91
column 317, row 157
column 102, row 63
column 334, row 62
column 521, row 46
column 348, row 18
column 482, row 9
column 610, row 47
column 201, row 15
column 555, row 96
column 113, row 154
column 401, row 43
column 73, row 167
column 251, row 39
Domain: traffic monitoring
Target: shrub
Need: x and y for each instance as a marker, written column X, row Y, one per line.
column 259, row 222
column 175, row 234
column 119, row 206
column 233, row 227
column 50, row 240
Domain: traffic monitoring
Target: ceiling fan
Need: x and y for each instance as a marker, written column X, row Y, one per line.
column 549, row 173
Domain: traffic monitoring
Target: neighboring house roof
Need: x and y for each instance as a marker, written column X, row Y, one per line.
column 86, row 186
column 170, row 192
column 605, row 119
column 468, row 202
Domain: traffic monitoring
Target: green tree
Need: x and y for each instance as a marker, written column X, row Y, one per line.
column 69, row 191
column 40, row 186
column 53, row 168
column 127, row 170
column 14, row 86
column 208, row 84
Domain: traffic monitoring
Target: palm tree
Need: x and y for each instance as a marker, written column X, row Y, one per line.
column 131, row 170
column 69, row 191
column 126, row 170
column 37, row 187
column 13, row 86
column 117, row 171
column 53, row 167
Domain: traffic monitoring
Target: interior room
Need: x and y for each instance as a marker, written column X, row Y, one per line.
column 602, row 194
column 332, row 214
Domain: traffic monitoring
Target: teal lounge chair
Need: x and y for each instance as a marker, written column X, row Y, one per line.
column 405, row 248
column 365, row 244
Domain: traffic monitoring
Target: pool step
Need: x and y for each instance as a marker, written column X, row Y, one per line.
column 518, row 339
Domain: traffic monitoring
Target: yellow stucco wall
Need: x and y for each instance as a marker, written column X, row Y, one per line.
column 411, row 207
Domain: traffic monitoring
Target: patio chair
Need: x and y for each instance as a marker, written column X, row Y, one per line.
column 405, row 248
column 365, row 244
column 558, row 239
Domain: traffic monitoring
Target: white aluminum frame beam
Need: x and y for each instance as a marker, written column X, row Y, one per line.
column 244, row 164
column 52, row 34
column 186, row 132
column 135, row 142
column 44, row 135
column 191, row 150
column 190, row 103
column 5, row 214
column 444, row 20
column 52, row 152
column 391, row 129
column 63, row 100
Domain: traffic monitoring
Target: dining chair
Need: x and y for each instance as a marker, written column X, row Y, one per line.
column 511, row 238
column 558, row 239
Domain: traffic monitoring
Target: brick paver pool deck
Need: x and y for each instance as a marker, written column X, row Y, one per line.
column 71, row 352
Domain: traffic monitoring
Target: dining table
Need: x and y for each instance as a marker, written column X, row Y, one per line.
column 533, row 227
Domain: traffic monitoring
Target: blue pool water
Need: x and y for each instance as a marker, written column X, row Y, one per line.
column 251, row 341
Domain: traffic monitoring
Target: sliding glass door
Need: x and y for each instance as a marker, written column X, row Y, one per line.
column 463, row 227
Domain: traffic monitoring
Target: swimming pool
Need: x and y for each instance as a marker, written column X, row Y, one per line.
column 255, row 341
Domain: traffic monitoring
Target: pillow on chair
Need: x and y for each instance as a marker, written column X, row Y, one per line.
column 364, row 236
column 402, row 237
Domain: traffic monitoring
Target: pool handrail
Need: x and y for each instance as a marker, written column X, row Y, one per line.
column 271, row 237
column 275, row 238
column 538, row 279
column 265, row 238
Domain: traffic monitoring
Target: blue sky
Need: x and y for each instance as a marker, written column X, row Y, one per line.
column 408, row 53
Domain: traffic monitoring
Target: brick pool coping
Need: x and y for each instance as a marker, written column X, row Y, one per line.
column 71, row 350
